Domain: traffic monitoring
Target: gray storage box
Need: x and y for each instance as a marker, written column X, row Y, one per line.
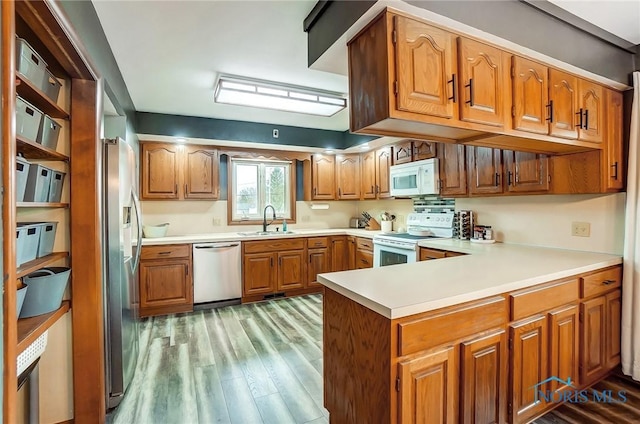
column 22, row 291
column 51, row 86
column 27, row 243
column 29, row 63
column 47, row 238
column 55, row 188
column 48, row 132
column 22, row 174
column 28, row 119
column 46, row 288
column 38, row 184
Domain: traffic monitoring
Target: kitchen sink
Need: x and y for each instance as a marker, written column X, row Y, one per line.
column 265, row 233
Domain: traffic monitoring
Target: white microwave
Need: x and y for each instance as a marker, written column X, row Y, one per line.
column 415, row 178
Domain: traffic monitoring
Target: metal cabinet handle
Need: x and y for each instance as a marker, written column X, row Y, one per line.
column 454, row 88
column 164, row 253
column 586, row 119
column 372, row 190
column 315, row 191
column 580, row 115
column 339, row 192
column 550, row 109
column 615, row 167
column 271, row 261
column 470, row 85
column 497, row 179
column 280, row 261
column 509, row 177
column 608, row 282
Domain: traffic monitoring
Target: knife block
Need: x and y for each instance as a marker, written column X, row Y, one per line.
column 372, row 225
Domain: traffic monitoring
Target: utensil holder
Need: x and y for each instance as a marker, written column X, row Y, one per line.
column 373, row 225
column 386, row 226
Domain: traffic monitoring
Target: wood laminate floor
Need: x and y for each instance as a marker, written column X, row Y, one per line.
column 262, row 363
column 245, row 364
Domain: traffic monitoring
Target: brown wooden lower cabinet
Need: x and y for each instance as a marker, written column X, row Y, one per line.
column 258, row 273
column 351, row 246
column 166, row 284
column 484, row 379
column 364, row 253
column 469, row 363
column 319, row 262
column 339, row 253
column 429, row 388
column 292, row 267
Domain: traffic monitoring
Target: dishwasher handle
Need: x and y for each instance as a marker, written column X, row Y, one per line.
column 216, row 246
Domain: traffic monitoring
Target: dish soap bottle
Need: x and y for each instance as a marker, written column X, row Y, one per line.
column 284, row 225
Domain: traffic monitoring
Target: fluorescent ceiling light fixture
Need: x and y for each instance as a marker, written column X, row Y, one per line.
column 269, row 95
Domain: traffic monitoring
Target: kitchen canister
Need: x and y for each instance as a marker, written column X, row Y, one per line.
column 46, row 288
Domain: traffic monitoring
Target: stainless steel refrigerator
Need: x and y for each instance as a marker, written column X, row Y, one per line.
column 122, row 231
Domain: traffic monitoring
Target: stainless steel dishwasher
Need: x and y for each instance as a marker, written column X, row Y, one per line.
column 217, row 272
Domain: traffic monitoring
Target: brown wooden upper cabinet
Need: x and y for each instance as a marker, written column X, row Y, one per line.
column 481, row 82
column 323, row 177
column 348, row 176
column 484, row 167
column 526, row 171
column 174, row 172
column 453, row 170
column 530, row 96
column 613, row 162
column 591, row 111
column 425, row 62
column 375, row 182
column 563, row 104
column 413, row 150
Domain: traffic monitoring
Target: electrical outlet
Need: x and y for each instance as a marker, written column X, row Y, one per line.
column 216, row 221
column 305, row 218
column 581, row 229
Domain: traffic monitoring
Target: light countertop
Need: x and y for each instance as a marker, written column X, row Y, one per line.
column 488, row 269
column 234, row 236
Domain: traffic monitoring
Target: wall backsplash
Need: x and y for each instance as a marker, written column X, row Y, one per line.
column 546, row 220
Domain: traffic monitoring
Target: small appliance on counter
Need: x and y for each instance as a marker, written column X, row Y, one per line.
column 357, row 223
column 483, row 234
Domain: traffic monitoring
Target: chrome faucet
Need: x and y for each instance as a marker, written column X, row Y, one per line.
column 264, row 217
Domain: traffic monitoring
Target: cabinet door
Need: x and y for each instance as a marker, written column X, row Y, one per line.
column 348, row 176
column 323, row 177
column 160, row 171
column 530, row 96
column 591, row 102
column 383, row 163
column 339, row 254
column 428, row 388
column 563, row 98
column 483, row 384
column 165, row 287
column 613, row 162
column 481, row 82
column 614, row 319
column 593, row 361
column 319, row 262
column 453, row 174
column 363, row 259
column 258, row 273
column 351, row 241
column 484, row 166
column 368, row 175
column 425, row 66
column 526, row 171
column 403, row 152
column 564, row 346
column 528, row 367
column 200, row 173
column 292, row 270
column 423, row 150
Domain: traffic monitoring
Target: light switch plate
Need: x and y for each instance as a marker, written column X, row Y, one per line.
column 581, row 229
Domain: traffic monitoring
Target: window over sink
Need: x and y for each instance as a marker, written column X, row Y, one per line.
column 255, row 184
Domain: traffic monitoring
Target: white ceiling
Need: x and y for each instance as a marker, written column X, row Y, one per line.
column 171, row 52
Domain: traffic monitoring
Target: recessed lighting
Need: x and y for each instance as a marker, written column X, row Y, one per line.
column 181, row 140
column 365, row 146
column 329, row 152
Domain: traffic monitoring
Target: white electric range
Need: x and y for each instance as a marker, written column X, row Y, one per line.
column 402, row 248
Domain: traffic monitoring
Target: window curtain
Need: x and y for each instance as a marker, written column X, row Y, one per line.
column 631, row 279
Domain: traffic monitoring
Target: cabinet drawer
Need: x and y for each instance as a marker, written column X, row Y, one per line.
column 601, row 282
column 273, row 245
column 534, row 300
column 450, row 324
column 364, row 244
column 166, row 251
column 317, row 242
column 364, row 259
column 426, row 254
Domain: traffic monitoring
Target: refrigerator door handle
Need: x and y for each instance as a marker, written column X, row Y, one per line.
column 136, row 204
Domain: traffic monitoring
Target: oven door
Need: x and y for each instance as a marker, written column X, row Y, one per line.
column 388, row 254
